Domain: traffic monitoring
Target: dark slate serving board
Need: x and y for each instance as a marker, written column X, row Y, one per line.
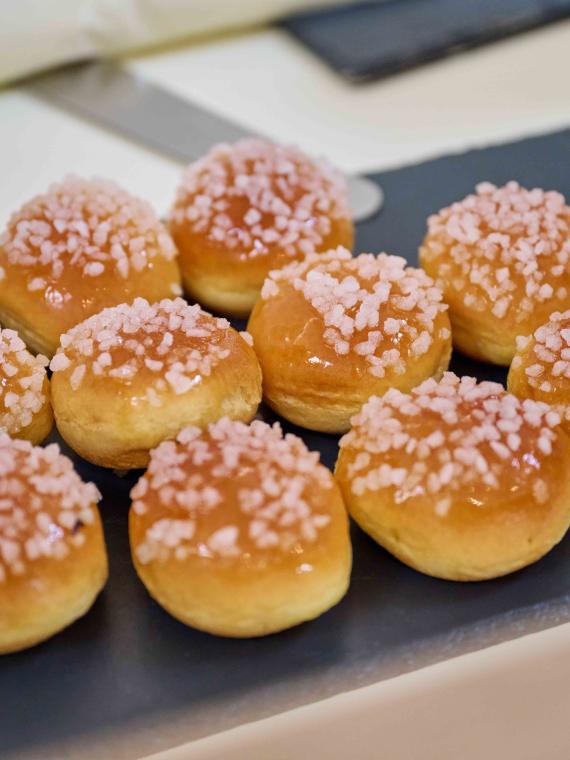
column 370, row 40
column 127, row 659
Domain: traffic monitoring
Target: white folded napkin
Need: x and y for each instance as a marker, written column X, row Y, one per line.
column 37, row 34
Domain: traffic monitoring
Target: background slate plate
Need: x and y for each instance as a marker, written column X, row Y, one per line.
column 376, row 39
column 127, row 659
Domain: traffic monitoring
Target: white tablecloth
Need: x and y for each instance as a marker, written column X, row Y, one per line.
column 267, row 81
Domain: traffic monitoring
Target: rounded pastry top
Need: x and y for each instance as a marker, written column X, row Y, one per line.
column 544, row 357
column 453, row 440
column 44, row 505
column 375, row 308
column 233, row 491
column 504, row 250
column 170, row 345
column 22, row 383
column 255, row 197
column 92, row 227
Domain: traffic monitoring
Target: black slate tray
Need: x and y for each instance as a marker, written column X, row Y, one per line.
column 127, row 659
column 371, row 40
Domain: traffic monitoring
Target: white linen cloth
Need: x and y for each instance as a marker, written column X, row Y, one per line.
column 37, row 34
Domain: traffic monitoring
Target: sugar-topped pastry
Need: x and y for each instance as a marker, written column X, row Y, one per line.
column 458, row 479
column 250, row 207
column 501, row 257
column 81, row 246
column 332, row 330
column 239, row 530
column 133, row 375
column 540, row 369
column 53, row 561
column 25, row 406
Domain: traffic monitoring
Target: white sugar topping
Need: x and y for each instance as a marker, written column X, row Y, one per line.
column 22, row 379
column 92, row 226
column 545, row 358
column 255, row 197
column 373, row 306
column 43, row 505
column 450, row 439
column 507, row 248
column 235, row 489
column 177, row 343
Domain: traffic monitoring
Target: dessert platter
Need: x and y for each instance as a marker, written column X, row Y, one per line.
column 308, row 473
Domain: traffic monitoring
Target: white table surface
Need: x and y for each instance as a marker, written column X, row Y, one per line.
column 266, row 80
column 508, row 702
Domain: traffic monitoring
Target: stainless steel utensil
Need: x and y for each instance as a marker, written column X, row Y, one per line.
column 107, row 94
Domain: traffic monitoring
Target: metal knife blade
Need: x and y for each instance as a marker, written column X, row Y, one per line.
column 105, row 93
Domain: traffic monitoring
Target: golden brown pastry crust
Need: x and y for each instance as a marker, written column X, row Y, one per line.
column 114, row 420
column 253, row 539
column 452, row 508
column 68, row 590
column 42, row 423
column 53, row 561
column 80, row 247
column 24, row 390
column 540, row 369
column 249, row 208
column 305, row 378
column 500, row 257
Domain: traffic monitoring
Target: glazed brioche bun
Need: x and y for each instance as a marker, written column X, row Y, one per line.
column 248, row 208
column 25, row 406
column 501, row 259
column 540, row 369
column 251, row 539
column 81, row 246
column 459, row 480
column 53, row 561
column 332, row 330
column 131, row 376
